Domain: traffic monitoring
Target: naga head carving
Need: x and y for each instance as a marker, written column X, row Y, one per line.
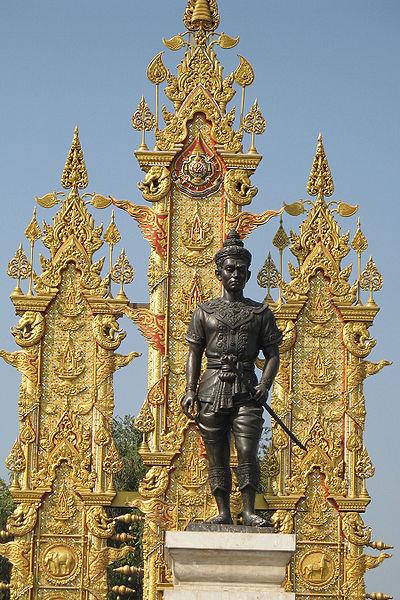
column 357, row 339
column 156, row 184
column 155, row 482
column 238, row 187
column 107, row 331
column 29, row 330
column 354, row 529
column 23, row 519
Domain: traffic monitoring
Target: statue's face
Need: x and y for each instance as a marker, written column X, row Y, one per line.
column 234, row 274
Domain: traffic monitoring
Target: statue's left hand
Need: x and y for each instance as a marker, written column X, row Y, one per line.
column 261, row 392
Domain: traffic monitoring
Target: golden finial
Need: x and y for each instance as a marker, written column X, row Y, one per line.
column 111, row 236
column 122, row 590
column 380, row 545
column 75, row 174
column 255, row 124
column 320, row 182
column 112, row 464
column 122, row 273
column 280, row 241
column 157, row 72
column 19, row 268
column 32, row 233
column 371, row 280
column 359, row 245
column 16, row 463
column 145, row 423
column 143, row 120
column 201, row 14
column 364, row 469
column 268, row 277
column 129, row 570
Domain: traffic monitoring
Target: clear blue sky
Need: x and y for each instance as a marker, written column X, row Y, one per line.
column 320, row 65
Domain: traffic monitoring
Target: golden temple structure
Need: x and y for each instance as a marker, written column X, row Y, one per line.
column 197, row 183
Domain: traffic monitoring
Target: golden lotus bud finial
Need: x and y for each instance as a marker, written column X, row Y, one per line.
column 75, row 174
column 111, row 236
column 201, row 14
column 359, row 244
column 320, row 182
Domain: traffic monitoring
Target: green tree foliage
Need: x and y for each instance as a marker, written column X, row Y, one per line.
column 6, row 508
column 127, row 440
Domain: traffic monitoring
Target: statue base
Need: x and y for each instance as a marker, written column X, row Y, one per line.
column 227, row 563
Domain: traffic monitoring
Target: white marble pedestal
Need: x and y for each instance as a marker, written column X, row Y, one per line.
column 225, row 565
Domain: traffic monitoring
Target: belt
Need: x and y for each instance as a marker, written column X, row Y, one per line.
column 230, row 377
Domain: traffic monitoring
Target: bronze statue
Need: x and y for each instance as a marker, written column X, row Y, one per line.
column 231, row 330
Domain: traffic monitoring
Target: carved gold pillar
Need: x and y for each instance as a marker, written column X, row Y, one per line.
column 64, row 459
column 319, row 393
column 197, row 181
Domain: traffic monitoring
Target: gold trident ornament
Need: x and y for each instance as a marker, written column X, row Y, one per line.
column 371, row 280
column 19, row 268
column 255, row 124
column 143, row 120
column 122, row 273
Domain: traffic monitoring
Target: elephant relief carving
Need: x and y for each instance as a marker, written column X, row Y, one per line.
column 60, row 561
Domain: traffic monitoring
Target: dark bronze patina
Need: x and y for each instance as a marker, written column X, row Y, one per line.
column 231, row 330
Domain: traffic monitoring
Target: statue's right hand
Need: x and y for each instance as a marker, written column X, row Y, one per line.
column 188, row 404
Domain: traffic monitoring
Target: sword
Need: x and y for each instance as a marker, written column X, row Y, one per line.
column 285, row 428
column 273, row 414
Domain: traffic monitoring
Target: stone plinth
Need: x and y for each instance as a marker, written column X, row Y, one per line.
column 228, row 565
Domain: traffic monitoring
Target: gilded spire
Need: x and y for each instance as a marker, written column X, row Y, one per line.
column 320, row 182
column 201, row 14
column 75, row 174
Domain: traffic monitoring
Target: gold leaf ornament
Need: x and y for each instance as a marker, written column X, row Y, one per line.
column 295, row 209
column 157, row 72
column 100, row 201
column 48, row 200
column 244, row 74
column 175, row 43
column 226, row 41
column 346, row 210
